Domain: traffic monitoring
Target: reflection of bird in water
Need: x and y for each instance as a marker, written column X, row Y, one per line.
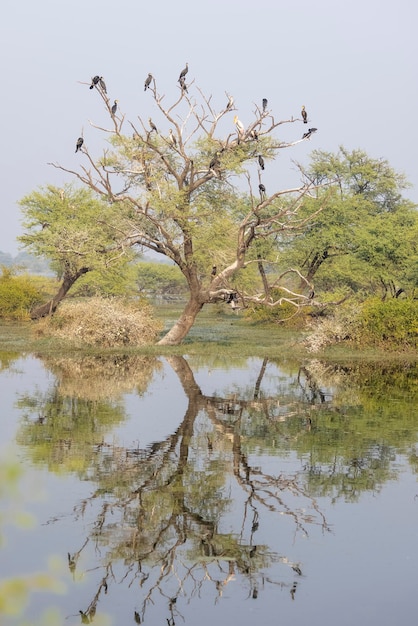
column 261, row 161
column 79, row 143
column 293, row 590
column 147, row 82
column 309, row 133
column 262, row 191
column 94, row 81
column 304, row 115
column 265, row 103
column 71, row 563
column 184, row 72
column 115, row 107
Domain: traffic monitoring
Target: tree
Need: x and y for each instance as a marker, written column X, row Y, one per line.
column 77, row 233
column 179, row 183
column 367, row 238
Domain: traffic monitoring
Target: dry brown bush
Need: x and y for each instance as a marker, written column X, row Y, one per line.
column 102, row 322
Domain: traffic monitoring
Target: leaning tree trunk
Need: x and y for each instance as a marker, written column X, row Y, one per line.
column 50, row 307
column 185, row 322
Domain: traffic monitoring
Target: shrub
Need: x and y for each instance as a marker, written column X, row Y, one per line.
column 393, row 322
column 285, row 314
column 327, row 331
column 104, row 322
column 18, row 294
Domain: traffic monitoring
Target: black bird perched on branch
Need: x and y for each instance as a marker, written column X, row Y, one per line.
column 183, row 85
column 94, row 81
column 102, row 84
column 152, row 125
column 262, row 190
column 79, row 143
column 184, row 72
column 309, row 133
column 215, row 163
column 304, row 114
column 230, row 102
column 115, row 107
column 147, row 82
column 265, row 103
column 261, row 161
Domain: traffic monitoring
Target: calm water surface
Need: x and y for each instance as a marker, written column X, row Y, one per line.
column 178, row 491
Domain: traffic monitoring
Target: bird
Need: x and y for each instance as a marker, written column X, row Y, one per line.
column 102, row 84
column 184, row 72
column 239, row 125
column 262, row 190
column 309, row 133
column 213, row 272
column 261, row 161
column 173, row 140
column 115, row 107
column 152, row 125
column 183, row 85
column 84, row 617
column 215, row 163
column 94, row 81
column 79, row 143
column 265, row 102
column 147, row 82
column 304, row 115
column 254, row 134
column 230, row 102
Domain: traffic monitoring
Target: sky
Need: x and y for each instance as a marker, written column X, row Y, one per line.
column 352, row 64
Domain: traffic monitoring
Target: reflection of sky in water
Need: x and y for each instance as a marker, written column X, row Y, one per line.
column 362, row 571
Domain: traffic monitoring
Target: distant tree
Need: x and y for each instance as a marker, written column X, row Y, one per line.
column 160, row 279
column 367, row 239
column 182, row 177
column 77, row 233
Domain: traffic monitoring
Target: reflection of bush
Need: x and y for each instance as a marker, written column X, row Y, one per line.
column 98, row 377
column 104, row 322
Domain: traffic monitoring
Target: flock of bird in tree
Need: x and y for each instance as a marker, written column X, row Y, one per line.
column 98, row 82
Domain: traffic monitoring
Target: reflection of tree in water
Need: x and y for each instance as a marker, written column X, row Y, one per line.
column 63, row 425
column 161, row 518
column 163, row 510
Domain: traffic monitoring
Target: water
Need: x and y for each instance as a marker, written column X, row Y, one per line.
column 182, row 491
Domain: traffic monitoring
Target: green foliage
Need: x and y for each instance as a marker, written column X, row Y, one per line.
column 390, row 323
column 160, row 279
column 287, row 314
column 18, row 294
column 366, row 238
column 72, row 229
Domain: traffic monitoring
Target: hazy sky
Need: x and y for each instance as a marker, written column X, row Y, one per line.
column 353, row 64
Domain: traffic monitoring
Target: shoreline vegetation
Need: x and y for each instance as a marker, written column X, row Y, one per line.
column 215, row 332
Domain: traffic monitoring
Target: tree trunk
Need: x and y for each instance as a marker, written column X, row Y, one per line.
column 51, row 306
column 185, row 322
